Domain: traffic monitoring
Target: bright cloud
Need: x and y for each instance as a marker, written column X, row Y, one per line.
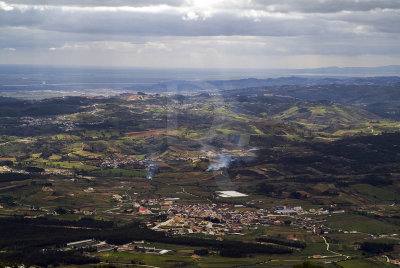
column 214, row 33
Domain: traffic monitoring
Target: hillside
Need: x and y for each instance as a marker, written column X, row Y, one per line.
column 153, row 158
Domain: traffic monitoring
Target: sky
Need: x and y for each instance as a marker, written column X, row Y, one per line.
column 281, row 34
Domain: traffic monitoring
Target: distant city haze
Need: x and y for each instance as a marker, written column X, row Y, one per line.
column 41, row 81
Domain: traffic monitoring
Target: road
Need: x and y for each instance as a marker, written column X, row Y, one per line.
column 336, row 254
column 128, row 264
column 162, row 224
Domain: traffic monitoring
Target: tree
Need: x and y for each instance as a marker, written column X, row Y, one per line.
column 265, row 188
column 307, row 264
column 375, row 247
column 60, row 211
column 6, row 163
column 201, row 252
column 34, row 169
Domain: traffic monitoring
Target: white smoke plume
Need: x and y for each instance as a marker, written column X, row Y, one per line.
column 151, row 170
column 223, row 161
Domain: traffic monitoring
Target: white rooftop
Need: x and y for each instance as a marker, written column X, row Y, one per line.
column 230, row 194
column 164, row 251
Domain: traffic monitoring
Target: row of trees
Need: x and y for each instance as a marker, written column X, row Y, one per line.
column 22, row 236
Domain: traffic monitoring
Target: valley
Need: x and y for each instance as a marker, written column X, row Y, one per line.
column 292, row 177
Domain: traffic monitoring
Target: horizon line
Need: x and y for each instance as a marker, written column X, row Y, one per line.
column 193, row 68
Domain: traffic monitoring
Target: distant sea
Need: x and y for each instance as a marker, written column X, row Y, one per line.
column 27, row 81
column 24, row 75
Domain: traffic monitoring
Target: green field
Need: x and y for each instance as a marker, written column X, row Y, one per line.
column 363, row 224
column 91, row 158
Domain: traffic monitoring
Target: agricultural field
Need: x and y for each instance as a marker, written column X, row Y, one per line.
column 314, row 180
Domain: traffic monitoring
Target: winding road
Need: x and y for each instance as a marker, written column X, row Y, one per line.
column 331, row 251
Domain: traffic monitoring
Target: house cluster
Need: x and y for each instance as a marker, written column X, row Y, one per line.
column 298, row 210
column 87, row 244
column 150, row 206
column 162, row 201
column 392, row 261
column 120, row 162
column 210, row 219
column 224, row 219
column 72, row 211
column 139, row 246
column 4, row 169
column 101, row 246
column 28, row 121
column 63, row 122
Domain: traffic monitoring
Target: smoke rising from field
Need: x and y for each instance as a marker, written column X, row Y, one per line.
column 223, row 161
column 151, row 170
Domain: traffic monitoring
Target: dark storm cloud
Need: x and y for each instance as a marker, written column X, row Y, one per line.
column 203, row 28
column 326, row 6
column 306, row 6
column 138, row 23
column 173, row 23
column 378, row 21
column 259, row 18
column 93, row 3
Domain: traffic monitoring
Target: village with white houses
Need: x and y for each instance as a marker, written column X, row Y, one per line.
column 217, row 220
